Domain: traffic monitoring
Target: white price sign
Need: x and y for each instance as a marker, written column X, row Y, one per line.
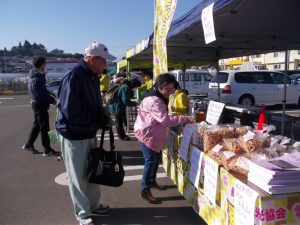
column 196, row 161
column 211, row 168
column 185, row 144
column 214, row 112
column 244, row 203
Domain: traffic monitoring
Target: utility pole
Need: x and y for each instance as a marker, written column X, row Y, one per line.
column 5, row 69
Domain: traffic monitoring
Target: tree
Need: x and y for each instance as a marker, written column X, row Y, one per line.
column 28, row 49
column 27, row 45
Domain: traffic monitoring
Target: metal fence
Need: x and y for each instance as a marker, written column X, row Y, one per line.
column 13, row 86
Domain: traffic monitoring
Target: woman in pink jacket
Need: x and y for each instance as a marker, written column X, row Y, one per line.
column 150, row 129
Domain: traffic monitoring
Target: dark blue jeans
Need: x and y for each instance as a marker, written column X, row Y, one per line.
column 152, row 160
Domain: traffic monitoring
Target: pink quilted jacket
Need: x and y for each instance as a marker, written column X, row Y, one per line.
column 152, row 122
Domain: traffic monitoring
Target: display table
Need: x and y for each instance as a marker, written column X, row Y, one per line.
column 295, row 117
column 232, row 189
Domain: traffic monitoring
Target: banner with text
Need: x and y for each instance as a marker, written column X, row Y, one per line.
column 164, row 11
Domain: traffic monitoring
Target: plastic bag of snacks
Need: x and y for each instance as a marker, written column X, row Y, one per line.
column 241, row 165
column 272, row 152
column 228, row 158
column 211, row 135
column 251, row 141
column 232, row 144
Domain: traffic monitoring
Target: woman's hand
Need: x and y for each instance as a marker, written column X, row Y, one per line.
column 190, row 119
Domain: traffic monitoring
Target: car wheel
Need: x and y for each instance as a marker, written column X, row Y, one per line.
column 246, row 100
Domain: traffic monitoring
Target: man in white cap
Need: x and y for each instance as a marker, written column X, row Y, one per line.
column 80, row 115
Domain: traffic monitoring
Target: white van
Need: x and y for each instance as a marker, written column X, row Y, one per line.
column 253, row 88
column 195, row 81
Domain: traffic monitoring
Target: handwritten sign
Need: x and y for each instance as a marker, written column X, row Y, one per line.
column 214, row 112
column 211, row 168
column 185, row 144
column 196, row 160
column 208, row 24
column 244, row 203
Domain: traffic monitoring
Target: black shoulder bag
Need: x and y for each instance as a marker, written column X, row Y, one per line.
column 105, row 167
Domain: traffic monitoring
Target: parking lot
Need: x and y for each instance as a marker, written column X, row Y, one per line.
column 30, row 192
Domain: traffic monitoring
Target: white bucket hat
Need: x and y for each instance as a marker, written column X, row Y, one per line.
column 98, row 49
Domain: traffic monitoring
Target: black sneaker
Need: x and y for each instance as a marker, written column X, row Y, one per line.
column 102, row 209
column 30, row 149
column 50, row 152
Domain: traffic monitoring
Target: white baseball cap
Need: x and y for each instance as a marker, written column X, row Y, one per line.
column 97, row 49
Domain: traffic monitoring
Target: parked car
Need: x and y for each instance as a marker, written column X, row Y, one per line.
column 253, row 88
column 53, row 86
column 194, row 81
column 295, row 78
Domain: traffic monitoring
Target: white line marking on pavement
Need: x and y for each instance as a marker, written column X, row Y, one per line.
column 62, row 178
column 115, row 134
column 139, row 177
column 6, row 98
column 106, row 137
column 11, row 106
column 138, row 167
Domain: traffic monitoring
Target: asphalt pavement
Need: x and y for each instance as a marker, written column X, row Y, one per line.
column 33, row 188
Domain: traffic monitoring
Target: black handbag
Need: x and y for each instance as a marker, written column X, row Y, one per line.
column 105, row 167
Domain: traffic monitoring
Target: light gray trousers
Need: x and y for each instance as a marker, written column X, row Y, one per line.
column 85, row 196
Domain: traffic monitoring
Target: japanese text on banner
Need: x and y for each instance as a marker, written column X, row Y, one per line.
column 164, row 11
column 208, row 24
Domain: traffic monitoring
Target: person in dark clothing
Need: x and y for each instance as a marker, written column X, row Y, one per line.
column 118, row 105
column 41, row 99
column 80, row 115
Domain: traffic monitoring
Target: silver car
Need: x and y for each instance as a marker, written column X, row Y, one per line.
column 53, row 86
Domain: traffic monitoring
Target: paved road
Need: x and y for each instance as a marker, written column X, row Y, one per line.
column 30, row 195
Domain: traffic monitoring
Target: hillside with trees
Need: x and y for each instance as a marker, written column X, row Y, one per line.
column 28, row 49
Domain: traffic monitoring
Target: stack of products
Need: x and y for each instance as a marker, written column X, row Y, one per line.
column 278, row 175
column 233, row 146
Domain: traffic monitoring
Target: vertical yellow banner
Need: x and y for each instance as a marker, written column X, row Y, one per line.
column 164, row 11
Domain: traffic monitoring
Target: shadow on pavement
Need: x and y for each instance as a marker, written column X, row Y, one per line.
column 171, row 198
column 150, row 216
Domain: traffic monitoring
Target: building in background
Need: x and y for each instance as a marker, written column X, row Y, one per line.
column 269, row 61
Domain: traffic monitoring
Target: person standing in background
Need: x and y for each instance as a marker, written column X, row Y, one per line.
column 80, row 116
column 179, row 102
column 117, row 105
column 41, row 99
column 150, row 129
column 148, row 80
column 104, row 82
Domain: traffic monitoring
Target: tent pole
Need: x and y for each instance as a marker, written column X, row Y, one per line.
column 218, row 70
column 219, row 92
column 183, row 76
column 284, row 92
column 127, row 68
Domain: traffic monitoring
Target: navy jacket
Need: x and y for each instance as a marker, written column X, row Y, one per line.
column 37, row 90
column 80, row 113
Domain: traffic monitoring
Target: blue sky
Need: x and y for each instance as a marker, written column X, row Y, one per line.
column 72, row 25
